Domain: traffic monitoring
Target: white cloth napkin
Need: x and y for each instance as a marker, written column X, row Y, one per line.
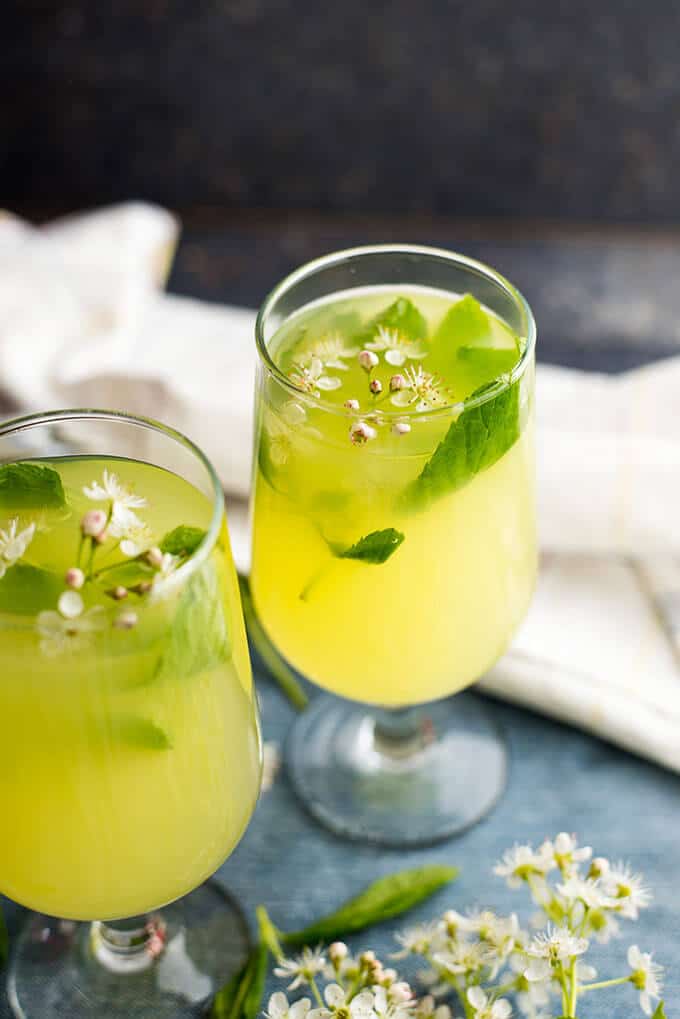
column 84, row 322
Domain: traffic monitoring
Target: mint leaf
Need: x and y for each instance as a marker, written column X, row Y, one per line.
column 198, row 638
column 26, row 590
column 402, row 315
column 376, row 547
column 140, row 733
column 241, row 997
column 660, row 1011
column 465, row 322
column 387, row 897
column 479, row 438
column 30, row 486
column 183, row 541
column 4, row 940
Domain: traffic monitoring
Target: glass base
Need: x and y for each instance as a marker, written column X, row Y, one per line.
column 163, row 966
column 402, row 778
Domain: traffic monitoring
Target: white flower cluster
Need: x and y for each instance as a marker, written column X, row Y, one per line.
column 485, row 962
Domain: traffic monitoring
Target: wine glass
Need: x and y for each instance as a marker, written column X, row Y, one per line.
column 130, row 753
column 394, row 536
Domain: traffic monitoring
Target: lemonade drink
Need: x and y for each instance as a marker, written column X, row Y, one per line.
column 394, row 546
column 129, row 745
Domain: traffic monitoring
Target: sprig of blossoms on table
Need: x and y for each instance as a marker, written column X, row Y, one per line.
column 487, row 965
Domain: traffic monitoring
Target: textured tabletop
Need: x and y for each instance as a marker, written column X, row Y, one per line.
column 602, row 303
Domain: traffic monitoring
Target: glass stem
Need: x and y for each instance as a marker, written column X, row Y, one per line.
column 128, row 946
column 400, row 732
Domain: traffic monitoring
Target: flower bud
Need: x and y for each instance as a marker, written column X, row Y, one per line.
column 143, row 587
column 375, row 385
column 367, row 958
column 337, row 951
column 368, row 360
column 397, row 382
column 401, row 992
column 154, row 557
column 118, row 593
column 388, row 977
column 351, row 404
column 93, row 523
column 74, row 578
column 125, row 620
column 401, row 428
column 360, row 432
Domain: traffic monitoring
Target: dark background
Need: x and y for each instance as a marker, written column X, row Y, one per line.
column 567, row 111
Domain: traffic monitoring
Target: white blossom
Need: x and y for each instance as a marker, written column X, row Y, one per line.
column 13, row 544
column 311, row 378
column 465, row 957
column 113, row 490
column 330, row 350
column 418, row 939
column 628, row 890
column 165, row 578
column 421, row 388
column 590, row 893
column 59, row 634
column 485, row 1007
column 278, row 1007
column 522, row 862
column 646, row 977
column 397, row 347
column 567, row 853
column 301, row 968
column 134, row 535
column 360, row 1007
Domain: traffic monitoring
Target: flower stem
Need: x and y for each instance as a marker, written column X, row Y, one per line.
column 269, row 934
column 604, row 983
column 315, row 992
column 573, row 988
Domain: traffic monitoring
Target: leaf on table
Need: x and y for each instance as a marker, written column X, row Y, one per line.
column 183, row 541
column 385, row 898
column 30, row 486
column 241, row 997
column 660, row 1011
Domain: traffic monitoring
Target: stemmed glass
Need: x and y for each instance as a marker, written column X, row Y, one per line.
column 394, row 544
column 130, row 754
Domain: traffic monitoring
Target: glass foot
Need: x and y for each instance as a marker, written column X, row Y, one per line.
column 163, row 966
column 402, row 778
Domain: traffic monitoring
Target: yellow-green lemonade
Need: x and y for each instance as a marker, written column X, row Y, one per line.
column 129, row 742
column 394, row 546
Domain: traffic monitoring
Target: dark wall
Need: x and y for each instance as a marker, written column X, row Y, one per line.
column 539, row 108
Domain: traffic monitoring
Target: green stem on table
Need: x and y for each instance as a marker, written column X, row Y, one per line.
column 617, row 981
column 279, row 669
column 269, row 934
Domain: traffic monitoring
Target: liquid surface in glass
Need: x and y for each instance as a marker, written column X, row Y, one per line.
column 129, row 743
column 394, row 546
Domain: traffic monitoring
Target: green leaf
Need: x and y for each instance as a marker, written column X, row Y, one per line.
column 402, row 315
column 183, row 541
column 484, row 364
column 26, row 590
column 660, row 1011
column 385, row 898
column 30, row 486
column 198, row 638
column 280, row 671
column 376, row 547
column 4, row 940
column 475, row 441
column 241, row 997
column 139, row 733
column 465, row 322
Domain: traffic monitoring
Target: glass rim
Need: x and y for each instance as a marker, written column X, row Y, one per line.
column 308, row 269
column 209, row 540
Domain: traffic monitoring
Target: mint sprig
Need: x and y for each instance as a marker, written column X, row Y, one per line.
column 241, row 997
column 26, row 590
column 401, row 315
column 475, row 441
column 30, row 486
column 374, row 549
column 139, row 733
column 199, row 637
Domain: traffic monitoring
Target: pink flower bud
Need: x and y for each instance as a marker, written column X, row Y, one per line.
column 401, row 428
column 375, row 385
column 93, row 523
column 367, row 958
column 401, row 992
column 368, row 360
column 351, row 404
column 74, row 578
column 397, row 382
column 125, row 620
column 119, row 593
column 154, row 557
column 143, row 587
column 337, row 951
column 361, row 432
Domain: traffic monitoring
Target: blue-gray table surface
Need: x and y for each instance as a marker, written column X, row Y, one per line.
column 603, row 303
